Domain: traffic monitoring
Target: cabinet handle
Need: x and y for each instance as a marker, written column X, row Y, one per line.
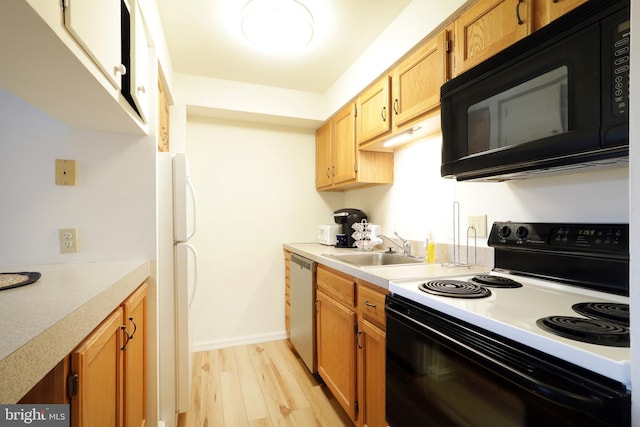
column 395, row 106
column 333, row 171
column 135, row 327
column 383, row 113
column 141, row 89
column 520, row 21
column 328, row 173
column 120, row 69
column 555, row 1
column 368, row 304
column 358, row 339
column 129, row 337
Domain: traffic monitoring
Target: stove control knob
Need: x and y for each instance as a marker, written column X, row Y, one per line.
column 505, row 231
column 522, row 232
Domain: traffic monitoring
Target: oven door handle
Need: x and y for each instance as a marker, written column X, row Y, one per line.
column 586, row 403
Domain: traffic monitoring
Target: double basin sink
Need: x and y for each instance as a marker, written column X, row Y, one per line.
column 373, row 259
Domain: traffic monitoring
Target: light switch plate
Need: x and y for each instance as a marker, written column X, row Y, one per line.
column 65, row 172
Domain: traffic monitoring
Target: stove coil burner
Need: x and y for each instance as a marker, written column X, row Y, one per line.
column 495, row 281
column 591, row 331
column 610, row 311
column 454, row 288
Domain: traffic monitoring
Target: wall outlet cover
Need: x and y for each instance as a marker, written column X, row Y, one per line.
column 68, row 240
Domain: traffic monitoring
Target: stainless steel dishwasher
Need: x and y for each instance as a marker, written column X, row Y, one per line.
column 303, row 314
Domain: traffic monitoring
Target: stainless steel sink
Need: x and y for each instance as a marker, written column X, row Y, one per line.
column 370, row 259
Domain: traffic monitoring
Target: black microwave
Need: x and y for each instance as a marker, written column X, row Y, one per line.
column 556, row 100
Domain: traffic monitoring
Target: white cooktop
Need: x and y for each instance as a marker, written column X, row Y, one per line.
column 513, row 313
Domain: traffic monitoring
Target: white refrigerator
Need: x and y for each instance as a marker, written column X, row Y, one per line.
column 185, row 271
column 177, row 282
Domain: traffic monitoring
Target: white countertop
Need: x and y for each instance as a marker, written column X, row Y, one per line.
column 44, row 321
column 379, row 275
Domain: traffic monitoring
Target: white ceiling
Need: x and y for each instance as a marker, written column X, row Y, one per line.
column 204, row 39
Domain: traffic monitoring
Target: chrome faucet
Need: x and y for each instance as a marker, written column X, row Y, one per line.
column 406, row 246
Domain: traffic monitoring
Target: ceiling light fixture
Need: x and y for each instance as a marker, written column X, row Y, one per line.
column 277, row 25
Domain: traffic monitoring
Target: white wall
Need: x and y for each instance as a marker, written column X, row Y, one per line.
column 421, row 201
column 255, row 192
column 112, row 205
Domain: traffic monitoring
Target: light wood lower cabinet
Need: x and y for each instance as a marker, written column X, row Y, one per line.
column 287, row 292
column 351, row 344
column 135, row 357
column 335, row 334
column 108, row 369
column 371, row 355
column 371, row 374
column 96, row 366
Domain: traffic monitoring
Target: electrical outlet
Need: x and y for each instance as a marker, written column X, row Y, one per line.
column 68, row 240
column 479, row 222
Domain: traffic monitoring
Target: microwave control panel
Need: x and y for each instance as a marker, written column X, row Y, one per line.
column 620, row 52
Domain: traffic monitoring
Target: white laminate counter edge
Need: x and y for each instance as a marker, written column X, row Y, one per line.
column 379, row 276
column 24, row 367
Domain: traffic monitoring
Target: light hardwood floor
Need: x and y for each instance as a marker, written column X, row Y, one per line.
column 258, row 385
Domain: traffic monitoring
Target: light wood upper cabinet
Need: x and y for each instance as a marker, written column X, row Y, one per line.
column 323, row 156
column 96, row 26
column 374, row 115
column 417, row 80
column 344, row 146
column 488, row 27
column 546, row 11
column 339, row 164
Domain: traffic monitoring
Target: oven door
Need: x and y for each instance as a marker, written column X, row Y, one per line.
column 443, row 372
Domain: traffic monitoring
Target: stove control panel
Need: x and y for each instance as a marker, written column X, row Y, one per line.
column 561, row 236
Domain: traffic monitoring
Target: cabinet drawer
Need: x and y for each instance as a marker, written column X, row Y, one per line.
column 338, row 286
column 371, row 304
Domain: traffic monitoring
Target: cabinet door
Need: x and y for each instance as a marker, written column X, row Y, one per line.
column 546, row 11
column 417, row 81
column 323, row 156
column 488, row 27
column 139, row 62
column 335, row 325
column 373, row 115
column 371, row 375
column 344, row 145
column 135, row 373
column 96, row 27
column 287, row 291
column 98, row 364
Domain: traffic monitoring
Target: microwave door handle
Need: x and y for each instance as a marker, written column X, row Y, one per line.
column 588, row 404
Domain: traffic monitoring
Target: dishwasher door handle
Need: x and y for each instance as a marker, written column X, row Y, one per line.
column 302, row 262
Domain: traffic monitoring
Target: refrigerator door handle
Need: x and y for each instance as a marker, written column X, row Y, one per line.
column 194, row 210
column 193, row 251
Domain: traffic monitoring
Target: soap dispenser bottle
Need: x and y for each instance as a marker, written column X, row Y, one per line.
column 430, row 249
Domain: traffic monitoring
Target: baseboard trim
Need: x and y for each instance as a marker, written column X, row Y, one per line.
column 232, row 342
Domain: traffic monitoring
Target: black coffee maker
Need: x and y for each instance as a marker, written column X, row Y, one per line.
column 347, row 217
